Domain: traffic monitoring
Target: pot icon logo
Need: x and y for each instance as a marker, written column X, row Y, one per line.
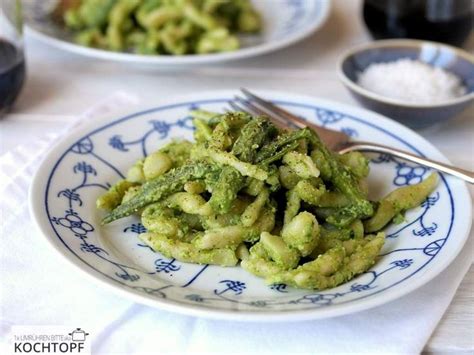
column 78, row 335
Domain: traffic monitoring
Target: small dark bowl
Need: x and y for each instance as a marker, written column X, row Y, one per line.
column 411, row 114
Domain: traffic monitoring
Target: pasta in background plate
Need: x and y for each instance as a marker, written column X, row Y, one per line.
column 279, row 202
column 172, row 27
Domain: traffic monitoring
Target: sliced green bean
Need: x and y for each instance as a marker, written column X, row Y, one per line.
column 160, row 187
column 400, row 200
column 225, row 192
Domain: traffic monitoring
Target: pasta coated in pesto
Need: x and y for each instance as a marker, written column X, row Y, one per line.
column 170, row 27
column 279, row 202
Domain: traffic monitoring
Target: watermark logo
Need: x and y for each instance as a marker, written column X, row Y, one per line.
column 78, row 335
column 50, row 340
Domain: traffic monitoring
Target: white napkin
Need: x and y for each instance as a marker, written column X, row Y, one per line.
column 38, row 288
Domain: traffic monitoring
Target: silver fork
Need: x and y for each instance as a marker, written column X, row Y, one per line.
column 335, row 140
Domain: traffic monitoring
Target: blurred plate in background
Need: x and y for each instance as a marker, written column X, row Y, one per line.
column 284, row 23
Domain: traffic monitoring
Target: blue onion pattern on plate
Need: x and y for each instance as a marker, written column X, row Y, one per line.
column 88, row 161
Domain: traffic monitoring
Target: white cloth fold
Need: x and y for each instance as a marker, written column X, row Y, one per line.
column 37, row 288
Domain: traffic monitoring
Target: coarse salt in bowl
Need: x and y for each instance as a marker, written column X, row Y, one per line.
column 413, row 81
column 418, row 83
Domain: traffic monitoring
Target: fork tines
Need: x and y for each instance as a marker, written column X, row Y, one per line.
column 274, row 110
column 253, row 108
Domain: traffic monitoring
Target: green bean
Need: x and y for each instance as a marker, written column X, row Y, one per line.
column 203, row 132
column 357, row 163
column 160, row 187
column 131, row 192
column 252, row 137
column 284, row 143
column 345, row 182
column 280, row 153
column 221, row 135
column 400, row 200
column 224, row 193
column 250, row 192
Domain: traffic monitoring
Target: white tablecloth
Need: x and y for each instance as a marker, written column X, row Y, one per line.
column 31, row 296
column 35, row 286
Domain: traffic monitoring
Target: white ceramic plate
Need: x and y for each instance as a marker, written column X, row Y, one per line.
column 78, row 169
column 285, row 22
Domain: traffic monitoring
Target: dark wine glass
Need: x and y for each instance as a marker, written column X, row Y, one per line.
column 12, row 60
column 448, row 21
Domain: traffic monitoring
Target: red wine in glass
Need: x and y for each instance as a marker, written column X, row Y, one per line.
column 12, row 73
column 448, row 21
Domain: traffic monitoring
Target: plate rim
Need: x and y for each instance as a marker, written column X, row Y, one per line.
column 36, row 192
column 253, row 51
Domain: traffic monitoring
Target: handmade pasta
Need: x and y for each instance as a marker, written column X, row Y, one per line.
column 173, row 27
column 279, row 202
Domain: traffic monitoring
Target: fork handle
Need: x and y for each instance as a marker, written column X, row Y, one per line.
column 373, row 147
